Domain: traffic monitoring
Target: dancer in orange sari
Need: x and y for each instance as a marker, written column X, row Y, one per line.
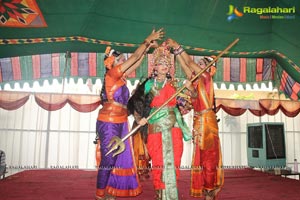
column 207, row 175
column 117, row 175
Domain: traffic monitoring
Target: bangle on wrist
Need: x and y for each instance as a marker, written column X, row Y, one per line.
column 178, row 50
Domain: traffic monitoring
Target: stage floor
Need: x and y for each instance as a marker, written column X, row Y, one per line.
column 240, row 184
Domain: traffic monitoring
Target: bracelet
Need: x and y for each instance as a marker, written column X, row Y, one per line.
column 178, row 51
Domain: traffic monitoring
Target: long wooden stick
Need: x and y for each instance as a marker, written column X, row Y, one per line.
column 175, row 94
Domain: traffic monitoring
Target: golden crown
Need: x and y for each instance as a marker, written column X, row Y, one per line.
column 162, row 55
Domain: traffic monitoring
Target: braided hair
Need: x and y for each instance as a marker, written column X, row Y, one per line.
column 109, row 59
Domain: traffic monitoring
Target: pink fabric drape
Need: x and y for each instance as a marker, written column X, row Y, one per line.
column 289, row 108
column 260, row 107
column 10, row 100
column 13, row 100
column 51, row 102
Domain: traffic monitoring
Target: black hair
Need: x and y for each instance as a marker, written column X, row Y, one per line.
column 140, row 103
column 114, row 53
column 154, row 75
column 103, row 96
column 206, row 60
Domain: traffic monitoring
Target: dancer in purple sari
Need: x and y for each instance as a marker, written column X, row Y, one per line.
column 117, row 176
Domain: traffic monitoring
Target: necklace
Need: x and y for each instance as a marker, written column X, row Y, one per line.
column 156, row 84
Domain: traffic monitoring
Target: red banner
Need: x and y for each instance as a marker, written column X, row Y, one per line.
column 21, row 13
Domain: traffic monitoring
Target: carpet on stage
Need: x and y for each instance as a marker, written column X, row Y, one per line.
column 240, row 184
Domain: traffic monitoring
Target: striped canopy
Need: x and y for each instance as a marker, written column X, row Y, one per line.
column 47, row 29
column 236, row 71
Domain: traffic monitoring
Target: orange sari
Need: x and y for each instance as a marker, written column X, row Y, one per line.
column 207, row 174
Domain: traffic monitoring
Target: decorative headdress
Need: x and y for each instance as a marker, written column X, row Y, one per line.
column 213, row 67
column 162, row 55
column 110, row 55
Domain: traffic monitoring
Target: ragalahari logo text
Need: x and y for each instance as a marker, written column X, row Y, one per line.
column 275, row 12
column 233, row 13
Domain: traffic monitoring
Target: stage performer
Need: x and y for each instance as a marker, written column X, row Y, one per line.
column 166, row 128
column 117, row 175
column 207, row 175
